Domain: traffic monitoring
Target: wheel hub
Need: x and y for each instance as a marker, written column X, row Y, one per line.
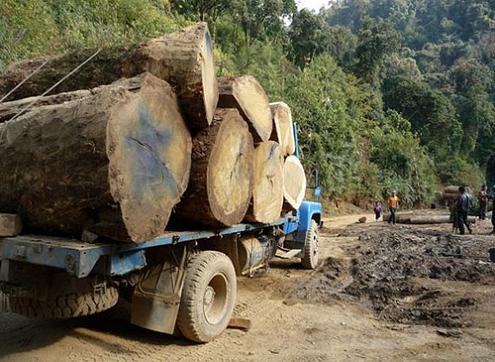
column 209, row 296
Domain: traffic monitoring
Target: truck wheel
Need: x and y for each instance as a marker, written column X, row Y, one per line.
column 311, row 247
column 65, row 306
column 208, row 296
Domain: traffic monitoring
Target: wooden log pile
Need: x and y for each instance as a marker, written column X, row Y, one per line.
column 141, row 136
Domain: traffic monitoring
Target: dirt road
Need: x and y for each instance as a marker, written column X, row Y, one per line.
column 357, row 305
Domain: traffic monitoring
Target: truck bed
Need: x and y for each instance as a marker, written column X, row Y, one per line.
column 79, row 258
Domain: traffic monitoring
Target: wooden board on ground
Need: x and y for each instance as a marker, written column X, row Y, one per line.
column 114, row 162
column 283, row 128
column 294, row 182
column 268, row 184
column 10, row 225
column 184, row 59
column 248, row 96
column 220, row 187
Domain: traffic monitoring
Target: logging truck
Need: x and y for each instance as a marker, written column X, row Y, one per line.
column 182, row 282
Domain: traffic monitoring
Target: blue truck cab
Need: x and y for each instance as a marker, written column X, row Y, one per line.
column 183, row 282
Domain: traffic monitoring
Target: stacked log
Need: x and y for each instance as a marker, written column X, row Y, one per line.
column 114, row 161
column 268, row 191
column 294, row 183
column 283, row 128
column 140, row 135
column 248, row 96
column 184, row 59
column 221, row 175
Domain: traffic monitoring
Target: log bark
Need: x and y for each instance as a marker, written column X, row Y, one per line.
column 294, row 182
column 184, row 59
column 221, row 181
column 283, row 129
column 268, row 184
column 248, row 96
column 114, row 162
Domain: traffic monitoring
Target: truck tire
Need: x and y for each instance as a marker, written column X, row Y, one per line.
column 311, row 250
column 208, row 296
column 65, row 306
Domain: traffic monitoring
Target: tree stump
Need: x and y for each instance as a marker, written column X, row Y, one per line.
column 113, row 162
column 220, row 186
column 268, row 185
column 248, row 96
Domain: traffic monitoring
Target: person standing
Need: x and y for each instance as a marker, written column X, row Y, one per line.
column 492, row 197
column 483, row 200
column 393, row 206
column 464, row 204
column 378, row 209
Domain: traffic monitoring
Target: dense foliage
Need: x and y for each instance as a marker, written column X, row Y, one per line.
column 388, row 94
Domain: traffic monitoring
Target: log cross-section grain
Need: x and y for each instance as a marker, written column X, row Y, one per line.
column 283, row 128
column 294, row 182
column 268, row 185
column 220, row 185
column 248, row 96
column 113, row 162
column 184, row 59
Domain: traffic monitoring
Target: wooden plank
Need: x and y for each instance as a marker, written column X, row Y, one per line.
column 10, row 225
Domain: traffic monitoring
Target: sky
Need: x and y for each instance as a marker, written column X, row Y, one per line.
column 312, row 4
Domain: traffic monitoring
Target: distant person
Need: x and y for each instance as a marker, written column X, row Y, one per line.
column 464, row 204
column 393, row 206
column 378, row 210
column 483, row 200
column 454, row 217
column 492, row 197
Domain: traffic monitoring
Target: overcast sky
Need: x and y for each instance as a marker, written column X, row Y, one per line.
column 312, row 4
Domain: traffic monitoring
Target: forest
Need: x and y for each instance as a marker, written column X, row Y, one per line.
column 387, row 94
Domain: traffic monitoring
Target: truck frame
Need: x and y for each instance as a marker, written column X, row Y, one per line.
column 182, row 282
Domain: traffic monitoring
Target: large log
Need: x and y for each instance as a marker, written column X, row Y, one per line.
column 113, row 162
column 268, row 184
column 248, row 96
column 184, row 59
column 220, row 186
column 283, row 128
column 294, row 182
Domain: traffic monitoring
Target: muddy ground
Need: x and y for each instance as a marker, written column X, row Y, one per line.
column 380, row 293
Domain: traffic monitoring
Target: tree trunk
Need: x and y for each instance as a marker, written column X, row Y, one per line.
column 283, row 129
column 248, row 96
column 268, row 186
column 184, row 59
column 113, row 162
column 220, row 187
column 294, row 182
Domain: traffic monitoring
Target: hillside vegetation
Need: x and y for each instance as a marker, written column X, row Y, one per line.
column 388, row 94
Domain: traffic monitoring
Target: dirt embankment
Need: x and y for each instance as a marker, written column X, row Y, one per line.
column 411, row 275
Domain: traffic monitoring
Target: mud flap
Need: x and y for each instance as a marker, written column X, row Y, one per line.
column 156, row 298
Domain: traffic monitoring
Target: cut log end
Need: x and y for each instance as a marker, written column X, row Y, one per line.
column 248, row 96
column 221, row 176
column 283, row 129
column 149, row 149
column 294, row 182
column 268, row 194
